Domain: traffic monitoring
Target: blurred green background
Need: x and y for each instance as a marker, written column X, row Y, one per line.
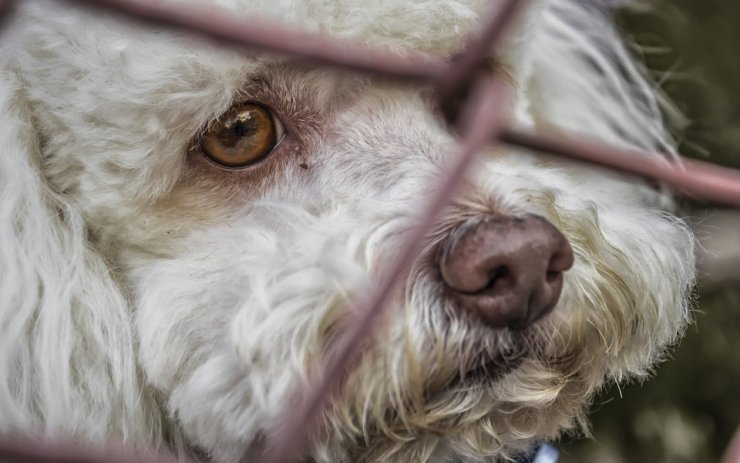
column 689, row 411
column 692, row 48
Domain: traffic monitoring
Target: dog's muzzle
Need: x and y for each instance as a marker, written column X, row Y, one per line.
column 507, row 270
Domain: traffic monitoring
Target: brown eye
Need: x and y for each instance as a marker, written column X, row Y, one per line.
column 244, row 135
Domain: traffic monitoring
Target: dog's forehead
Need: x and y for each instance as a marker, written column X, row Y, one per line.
column 434, row 27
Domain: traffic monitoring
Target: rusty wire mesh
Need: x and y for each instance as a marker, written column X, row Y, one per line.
column 480, row 120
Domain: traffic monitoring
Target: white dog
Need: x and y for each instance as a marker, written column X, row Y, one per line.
column 182, row 227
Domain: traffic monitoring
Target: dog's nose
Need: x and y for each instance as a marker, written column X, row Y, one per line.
column 508, row 270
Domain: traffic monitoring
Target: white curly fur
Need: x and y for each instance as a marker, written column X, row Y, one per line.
column 149, row 297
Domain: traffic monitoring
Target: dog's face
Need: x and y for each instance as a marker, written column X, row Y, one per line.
column 241, row 202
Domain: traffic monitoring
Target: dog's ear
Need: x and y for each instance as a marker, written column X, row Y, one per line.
column 67, row 356
column 567, row 49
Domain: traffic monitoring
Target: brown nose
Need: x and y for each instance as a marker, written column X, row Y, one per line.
column 508, row 270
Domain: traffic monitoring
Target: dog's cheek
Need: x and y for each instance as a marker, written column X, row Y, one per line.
column 658, row 275
column 230, row 327
column 185, row 308
column 177, row 317
column 627, row 296
column 624, row 303
column 626, row 300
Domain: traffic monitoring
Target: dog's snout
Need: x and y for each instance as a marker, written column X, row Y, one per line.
column 508, row 270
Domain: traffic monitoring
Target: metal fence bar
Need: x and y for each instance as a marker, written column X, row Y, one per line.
column 37, row 450
column 698, row 179
column 732, row 454
column 461, row 72
column 483, row 118
column 485, row 112
column 5, row 7
column 269, row 36
column 265, row 35
column 716, row 184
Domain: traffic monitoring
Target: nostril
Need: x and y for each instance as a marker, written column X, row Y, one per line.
column 507, row 270
column 500, row 277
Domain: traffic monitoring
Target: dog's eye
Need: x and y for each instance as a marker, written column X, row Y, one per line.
column 245, row 134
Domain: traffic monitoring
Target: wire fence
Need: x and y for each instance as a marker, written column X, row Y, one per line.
column 480, row 120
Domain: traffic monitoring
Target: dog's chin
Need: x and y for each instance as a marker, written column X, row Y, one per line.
column 490, row 367
column 488, row 372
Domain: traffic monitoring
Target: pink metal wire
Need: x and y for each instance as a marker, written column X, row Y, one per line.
column 700, row 180
column 5, row 7
column 37, row 450
column 482, row 120
column 258, row 34
column 732, row 454
column 487, row 116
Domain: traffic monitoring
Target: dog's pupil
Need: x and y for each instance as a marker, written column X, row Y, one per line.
column 241, row 129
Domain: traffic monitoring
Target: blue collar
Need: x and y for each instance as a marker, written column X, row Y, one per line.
column 539, row 453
